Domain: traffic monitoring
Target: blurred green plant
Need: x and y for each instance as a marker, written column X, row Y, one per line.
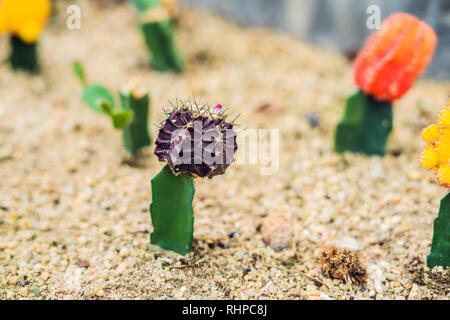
column 143, row 5
column 384, row 70
column 158, row 32
column 24, row 20
column 23, row 56
column 365, row 125
column 131, row 118
column 440, row 246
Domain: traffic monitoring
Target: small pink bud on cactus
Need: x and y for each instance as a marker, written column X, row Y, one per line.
column 218, row 108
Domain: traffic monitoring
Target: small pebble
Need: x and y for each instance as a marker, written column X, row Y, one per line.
column 166, row 261
column 347, row 243
column 23, row 292
column 313, row 119
column 414, row 293
column 36, row 291
column 277, row 231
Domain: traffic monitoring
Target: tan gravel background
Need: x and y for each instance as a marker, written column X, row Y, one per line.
column 74, row 220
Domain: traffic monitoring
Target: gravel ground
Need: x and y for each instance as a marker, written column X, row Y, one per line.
column 74, row 220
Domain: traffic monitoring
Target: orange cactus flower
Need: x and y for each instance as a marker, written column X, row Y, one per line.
column 394, row 57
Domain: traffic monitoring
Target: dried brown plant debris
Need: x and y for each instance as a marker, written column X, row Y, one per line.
column 437, row 282
column 343, row 264
column 415, row 266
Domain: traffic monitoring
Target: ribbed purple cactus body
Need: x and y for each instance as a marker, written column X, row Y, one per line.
column 196, row 141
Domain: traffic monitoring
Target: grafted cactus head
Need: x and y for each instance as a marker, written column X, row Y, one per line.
column 196, row 140
column 24, row 18
column 436, row 155
column 394, row 57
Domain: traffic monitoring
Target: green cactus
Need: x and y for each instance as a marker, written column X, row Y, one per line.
column 94, row 95
column 120, row 119
column 136, row 135
column 79, row 72
column 132, row 118
column 159, row 38
column 171, row 211
column 143, row 5
column 365, row 126
column 440, row 246
column 24, row 56
column 173, row 188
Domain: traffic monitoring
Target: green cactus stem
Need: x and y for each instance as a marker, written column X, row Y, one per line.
column 158, row 32
column 171, row 211
column 24, row 56
column 132, row 118
column 78, row 70
column 143, row 5
column 365, row 126
column 440, row 246
column 96, row 96
column 159, row 40
column 136, row 135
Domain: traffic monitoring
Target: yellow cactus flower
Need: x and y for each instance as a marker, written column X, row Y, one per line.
column 444, row 117
column 429, row 157
column 436, row 154
column 443, row 148
column 24, row 18
column 443, row 174
column 431, row 133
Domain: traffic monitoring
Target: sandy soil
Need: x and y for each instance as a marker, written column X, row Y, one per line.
column 74, row 220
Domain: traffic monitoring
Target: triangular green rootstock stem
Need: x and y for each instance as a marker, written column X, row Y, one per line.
column 171, row 211
column 136, row 134
column 365, row 126
column 440, row 247
column 158, row 37
column 24, row 56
